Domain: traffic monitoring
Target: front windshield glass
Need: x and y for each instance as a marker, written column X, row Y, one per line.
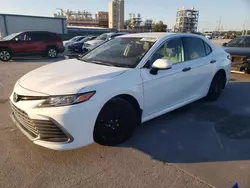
column 85, row 39
column 121, row 52
column 237, row 42
column 102, row 37
column 74, row 39
column 11, row 36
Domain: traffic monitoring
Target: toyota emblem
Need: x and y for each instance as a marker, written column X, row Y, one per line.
column 15, row 97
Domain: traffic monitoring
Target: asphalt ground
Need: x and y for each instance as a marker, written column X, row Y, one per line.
column 201, row 145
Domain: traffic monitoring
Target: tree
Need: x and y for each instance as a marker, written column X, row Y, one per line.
column 159, row 27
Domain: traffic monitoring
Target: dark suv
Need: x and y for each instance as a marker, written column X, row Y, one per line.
column 29, row 44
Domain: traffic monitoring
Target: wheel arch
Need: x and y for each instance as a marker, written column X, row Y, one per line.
column 51, row 46
column 6, row 48
column 129, row 98
column 223, row 72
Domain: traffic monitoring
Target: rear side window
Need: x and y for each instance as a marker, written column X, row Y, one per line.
column 208, row 49
column 42, row 36
column 194, row 48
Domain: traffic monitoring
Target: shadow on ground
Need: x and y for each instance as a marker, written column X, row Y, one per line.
column 39, row 59
column 200, row 132
column 34, row 59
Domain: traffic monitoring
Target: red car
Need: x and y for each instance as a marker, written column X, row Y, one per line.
column 29, row 44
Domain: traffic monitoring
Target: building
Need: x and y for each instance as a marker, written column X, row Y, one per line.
column 102, row 19
column 13, row 23
column 83, row 18
column 116, row 14
column 186, row 20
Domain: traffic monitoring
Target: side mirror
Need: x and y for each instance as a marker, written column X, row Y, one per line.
column 224, row 44
column 160, row 64
column 109, row 38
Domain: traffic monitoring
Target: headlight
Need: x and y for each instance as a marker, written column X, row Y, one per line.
column 65, row 100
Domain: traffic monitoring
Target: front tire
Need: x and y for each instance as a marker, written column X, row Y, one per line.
column 216, row 87
column 247, row 70
column 5, row 55
column 52, row 52
column 116, row 122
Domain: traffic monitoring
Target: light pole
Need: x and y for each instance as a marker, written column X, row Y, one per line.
column 244, row 32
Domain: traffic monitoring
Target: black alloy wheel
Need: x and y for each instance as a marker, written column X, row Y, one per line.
column 216, row 87
column 116, row 122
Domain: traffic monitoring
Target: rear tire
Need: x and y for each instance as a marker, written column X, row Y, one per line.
column 52, row 52
column 247, row 70
column 216, row 87
column 116, row 122
column 5, row 55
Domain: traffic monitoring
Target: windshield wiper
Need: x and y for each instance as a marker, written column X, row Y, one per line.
column 101, row 63
column 107, row 64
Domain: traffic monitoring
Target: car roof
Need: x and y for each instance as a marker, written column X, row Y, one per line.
column 158, row 35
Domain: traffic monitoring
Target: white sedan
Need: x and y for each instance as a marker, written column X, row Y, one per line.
column 107, row 93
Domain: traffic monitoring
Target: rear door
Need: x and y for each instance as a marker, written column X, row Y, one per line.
column 36, row 42
column 202, row 62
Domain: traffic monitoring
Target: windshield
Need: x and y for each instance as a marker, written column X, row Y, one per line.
column 11, row 36
column 85, row 39
column 74, row 39
column 102, row 37
column 121, row 52
column 238, row 42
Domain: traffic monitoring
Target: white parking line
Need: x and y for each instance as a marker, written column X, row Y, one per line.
column 238, row 72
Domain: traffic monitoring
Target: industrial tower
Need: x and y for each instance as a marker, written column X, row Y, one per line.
column 186, row 20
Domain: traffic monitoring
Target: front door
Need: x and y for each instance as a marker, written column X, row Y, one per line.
column 23, row 44
column 169, row 87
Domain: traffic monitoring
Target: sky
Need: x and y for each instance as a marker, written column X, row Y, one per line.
column 233, row 13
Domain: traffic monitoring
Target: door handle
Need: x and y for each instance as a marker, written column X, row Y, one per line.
column 186, row 69
column 213, row 61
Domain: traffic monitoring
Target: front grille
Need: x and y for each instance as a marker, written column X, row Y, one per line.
column 45, row 130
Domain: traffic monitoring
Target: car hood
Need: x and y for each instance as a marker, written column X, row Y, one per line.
column 67, row 77
column 238, row 51
column 94, row 42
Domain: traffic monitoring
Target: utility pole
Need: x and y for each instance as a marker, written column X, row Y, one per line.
column 219, row 25
column 244, row 29
column 247, row 26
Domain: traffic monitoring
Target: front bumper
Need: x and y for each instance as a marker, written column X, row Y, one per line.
column 61, row 50
column 76, row 121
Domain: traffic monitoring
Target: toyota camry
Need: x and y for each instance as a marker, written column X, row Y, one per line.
column 105, row 94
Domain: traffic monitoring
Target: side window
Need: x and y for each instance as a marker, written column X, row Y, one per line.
column 247, row 42
column 42, row 36
column 24, row 37
column 172, row 50
column 194, row 48
column 208, row 49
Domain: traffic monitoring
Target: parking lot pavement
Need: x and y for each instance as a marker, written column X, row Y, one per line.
column 202, row 145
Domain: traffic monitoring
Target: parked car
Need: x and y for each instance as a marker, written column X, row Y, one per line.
column 72, row 40
column 77, row 46
column 104, row 95
column 239, row 48
column 30, row 43
column 208, row 36
column 100, row 40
